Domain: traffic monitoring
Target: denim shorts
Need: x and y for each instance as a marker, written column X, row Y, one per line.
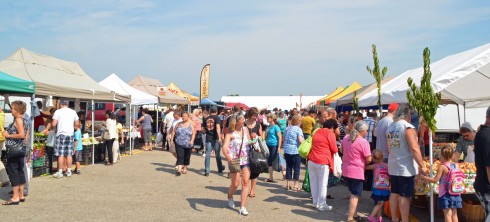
column 402, row 186
column 244, row 166
column 449, row 201
column 355, row 186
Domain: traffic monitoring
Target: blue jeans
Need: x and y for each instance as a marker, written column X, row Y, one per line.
column 485, row 201
column 293, row 162
column 272, row 155
column 213, row 145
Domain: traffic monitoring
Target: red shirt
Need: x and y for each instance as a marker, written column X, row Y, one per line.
column 323, row 147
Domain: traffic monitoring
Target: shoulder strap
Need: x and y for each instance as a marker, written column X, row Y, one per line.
column 240, row 148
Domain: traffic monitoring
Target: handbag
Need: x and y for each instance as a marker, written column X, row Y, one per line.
column 337, row 165
column 106, row 136
column 305, row 147
column 258, row 162
column 17, row 150
column 235, row 163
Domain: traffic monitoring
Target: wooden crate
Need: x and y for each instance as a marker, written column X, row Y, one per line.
column 473, row 212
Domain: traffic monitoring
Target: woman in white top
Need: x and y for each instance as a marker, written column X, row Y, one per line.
column 235, row 146
column 110, row 126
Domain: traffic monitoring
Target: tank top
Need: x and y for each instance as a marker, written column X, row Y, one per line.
column 255, row 129
column 443, row 183
column 183, row 135
column 12, row 130
column 146, row 122
column 235, row 150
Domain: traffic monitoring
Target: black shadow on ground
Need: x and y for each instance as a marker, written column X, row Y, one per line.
column 220, row 204
column 171, row 169
column 224, row 190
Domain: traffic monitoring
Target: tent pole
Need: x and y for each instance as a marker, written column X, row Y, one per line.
column 157, row 111
column 31, row 137
column 459, row 117
column 93, row 130
column 431, row 176
column 130, row 126
column 464, row 111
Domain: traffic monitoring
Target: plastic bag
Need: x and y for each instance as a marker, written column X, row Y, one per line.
column 306, row 182
column 159, row 138
column 337, row 165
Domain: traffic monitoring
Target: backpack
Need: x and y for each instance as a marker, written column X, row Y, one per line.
column 381, row 177
column 455, row 180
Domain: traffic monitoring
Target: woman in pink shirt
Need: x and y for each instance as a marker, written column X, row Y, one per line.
column 357, row 154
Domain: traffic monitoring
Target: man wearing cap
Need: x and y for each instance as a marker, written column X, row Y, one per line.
column 381, row 129
column 465, row 144
column 482, row 162
column 64, row 120
column 212, row 126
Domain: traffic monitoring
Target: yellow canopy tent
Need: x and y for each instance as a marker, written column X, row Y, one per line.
column 353, row 87
column 334, row 93
column 178, row 91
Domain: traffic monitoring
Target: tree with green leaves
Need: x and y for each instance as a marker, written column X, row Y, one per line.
column 423, row 99
column 378, row 75
column 355, row 103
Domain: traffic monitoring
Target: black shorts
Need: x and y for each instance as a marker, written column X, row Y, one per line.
column 355, row 186
column 402, row 186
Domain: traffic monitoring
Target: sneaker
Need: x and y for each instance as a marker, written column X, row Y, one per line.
column 314, row 205
column 243, row 211
column 231, row 203
column 68, row 174
column 372, row 219
column 58, row 175
column 324, row 208
column 78, row 172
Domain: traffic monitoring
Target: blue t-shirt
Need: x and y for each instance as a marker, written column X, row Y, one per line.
column 291, row 142
column 78, row 137
column 272, row 139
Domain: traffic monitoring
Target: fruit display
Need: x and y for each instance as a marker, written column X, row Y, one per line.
column 89, row 141
column 423, row 188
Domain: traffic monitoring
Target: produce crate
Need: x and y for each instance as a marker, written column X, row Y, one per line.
column 39, row 162
column 472, row 212
column 38, row 171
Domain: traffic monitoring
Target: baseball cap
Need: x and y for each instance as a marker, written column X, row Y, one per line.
column 467, row 125
column 213, row 109
column 393, row 107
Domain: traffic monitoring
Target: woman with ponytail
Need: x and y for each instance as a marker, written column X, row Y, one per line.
column 357, row 154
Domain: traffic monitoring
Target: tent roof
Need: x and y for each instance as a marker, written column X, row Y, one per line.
column 114, row 83
column 351, row 88
column 332, row 94
column 156, row 88
column 13, row 85
column 207, row 101
column 348, row 99
column 179, row 92
column 270, row 102
column 453, row 76
column 55, row 77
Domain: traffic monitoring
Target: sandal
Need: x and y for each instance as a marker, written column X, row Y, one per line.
column 288, row 188
column 296, row 189
column 269, row 181
column 10, row 202
column 178, row 173
column 184, row 172
column 251, row 195
column 22, row 200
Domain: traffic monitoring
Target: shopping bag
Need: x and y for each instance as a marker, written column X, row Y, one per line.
column 282, row 162
column 258, row 162
column 159, row 138
column 337, row 165
column 306, row 182
column 263, row 147
column 305, row 147
column 276, row 165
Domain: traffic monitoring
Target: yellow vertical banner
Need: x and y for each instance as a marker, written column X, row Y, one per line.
column 205, row 82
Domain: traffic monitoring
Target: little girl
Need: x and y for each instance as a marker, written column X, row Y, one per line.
column 381, row 189
column 447, row 202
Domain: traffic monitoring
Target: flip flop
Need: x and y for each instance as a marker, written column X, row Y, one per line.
column 269, row 181
column 251, row 196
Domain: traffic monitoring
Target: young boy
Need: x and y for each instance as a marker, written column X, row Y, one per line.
column 77, row 148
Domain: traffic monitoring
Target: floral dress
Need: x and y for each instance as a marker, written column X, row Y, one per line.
column 235, row 150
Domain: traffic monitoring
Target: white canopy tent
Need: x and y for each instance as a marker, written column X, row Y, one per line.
column 113, row 82
column 460, row 78
column 270, row 102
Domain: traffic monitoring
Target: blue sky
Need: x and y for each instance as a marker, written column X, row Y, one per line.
column 254, row 47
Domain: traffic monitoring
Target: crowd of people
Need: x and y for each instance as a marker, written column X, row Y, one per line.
column 379, row 154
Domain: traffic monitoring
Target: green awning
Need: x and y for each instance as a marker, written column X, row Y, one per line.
column 12, row 85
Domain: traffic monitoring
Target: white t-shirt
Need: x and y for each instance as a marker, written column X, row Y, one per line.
column 66, row 118
column 169, row 118
column 111, row 126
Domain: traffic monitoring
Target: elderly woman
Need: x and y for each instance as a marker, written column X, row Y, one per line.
column 235, row 146
column 323, row 147
column 357, row 154
column 146, row 121
column 293, row 137
column 183, row 136
column 15, row 135
column 273, row 141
